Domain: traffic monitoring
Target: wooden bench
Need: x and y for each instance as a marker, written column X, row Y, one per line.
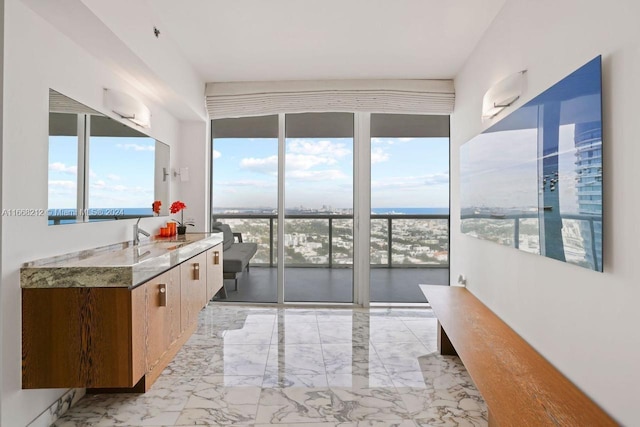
column 520, row 387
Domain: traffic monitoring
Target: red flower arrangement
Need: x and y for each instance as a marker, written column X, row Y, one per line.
column 156, row 207
column 176, row 207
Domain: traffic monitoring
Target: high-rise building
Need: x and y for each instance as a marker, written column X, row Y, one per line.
column 588, row 142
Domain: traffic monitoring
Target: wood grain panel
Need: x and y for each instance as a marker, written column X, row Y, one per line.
column 519, row 385
column 174, row 304
column 157, row 318
column 138, row 334
column 153, row 374
column 214, row 271
column 200, row 285
column 193, row 288
column 77, row 337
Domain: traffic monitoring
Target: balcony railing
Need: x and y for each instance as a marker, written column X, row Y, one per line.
column 521, row 231
column 326, row 240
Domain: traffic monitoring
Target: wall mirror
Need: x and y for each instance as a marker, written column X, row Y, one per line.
column 101, row 169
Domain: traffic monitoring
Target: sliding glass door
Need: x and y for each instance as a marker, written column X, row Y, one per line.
column 245, row 196
column 409, row 205
column 318, row 194
column 290, row 183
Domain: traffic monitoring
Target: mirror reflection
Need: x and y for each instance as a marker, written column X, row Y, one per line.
column 101, row 169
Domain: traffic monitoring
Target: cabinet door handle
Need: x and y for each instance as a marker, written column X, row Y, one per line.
column 162, row 289
column 196, row 271
column 216, row 258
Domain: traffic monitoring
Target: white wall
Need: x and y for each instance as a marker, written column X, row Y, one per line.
column 38, row 57
column 1, row 145
column 195, row 149
column 584, row 322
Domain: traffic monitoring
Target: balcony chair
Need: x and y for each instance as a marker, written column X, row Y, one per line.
column 236, row 253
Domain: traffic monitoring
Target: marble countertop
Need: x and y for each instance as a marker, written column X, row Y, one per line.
column 121, row 265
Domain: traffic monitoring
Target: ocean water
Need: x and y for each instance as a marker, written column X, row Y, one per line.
column 109, row 214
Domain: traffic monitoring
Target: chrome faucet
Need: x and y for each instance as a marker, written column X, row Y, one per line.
column 137, row 231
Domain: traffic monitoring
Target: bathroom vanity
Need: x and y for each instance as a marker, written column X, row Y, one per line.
column 112, row 319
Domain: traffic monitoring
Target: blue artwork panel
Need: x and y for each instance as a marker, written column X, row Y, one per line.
column 533, row 181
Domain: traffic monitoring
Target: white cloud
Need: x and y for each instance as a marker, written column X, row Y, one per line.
column 268, row 165
column 390, row 141
column 318, row 175
column 437, row 178
column 378, row 155
column 98, row 184
column 61, row 167
column 216, row 154
column 136, row 147
column 323, row 148
column 411, row 182
column 114, row 177
column 248, row 183
column 62, row 184
column 304, row 161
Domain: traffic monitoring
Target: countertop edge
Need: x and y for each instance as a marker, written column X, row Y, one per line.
column 51, row 276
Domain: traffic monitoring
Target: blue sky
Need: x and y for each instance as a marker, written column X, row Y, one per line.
column 406, row 172
column 121, row 172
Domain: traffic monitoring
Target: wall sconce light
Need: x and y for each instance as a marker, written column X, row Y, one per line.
column 502, row 95
column 183, row 173
column 127, row 107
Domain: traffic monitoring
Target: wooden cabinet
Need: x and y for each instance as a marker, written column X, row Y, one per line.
column 83, row 337
column 214, row 271
column 193, row 289
column 110, row 339
column 163, row 315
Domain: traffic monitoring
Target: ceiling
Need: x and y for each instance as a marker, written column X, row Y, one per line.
column 259, row 40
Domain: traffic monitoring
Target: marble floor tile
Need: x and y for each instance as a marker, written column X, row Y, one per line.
column 190, row 361
column 425, row 330
column 388, row 423
column 401, row 357
column 335, row 315
column 352, row 359
column 308, row 425
column 373, row 380
column 288, row 379
column 223, row 400
column 296, row 405
column 250, row 359
column 251, row 333
column 134, row 416
column 296, row 367
column 210, row 417
column 262, row 317
column 298, row 359
column 391, row 330
column 371, row 403
column 294, row 332
column 204, row 339
column 343, row 332
column 81, row 415
column 300, row 315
